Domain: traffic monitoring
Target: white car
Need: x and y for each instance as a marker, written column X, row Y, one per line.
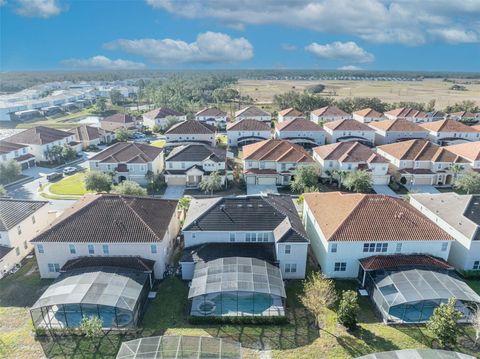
column 69, row 170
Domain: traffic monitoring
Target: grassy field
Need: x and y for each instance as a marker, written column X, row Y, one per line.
column 70, row 185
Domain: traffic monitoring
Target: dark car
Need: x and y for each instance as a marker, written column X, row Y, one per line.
column 54, row 176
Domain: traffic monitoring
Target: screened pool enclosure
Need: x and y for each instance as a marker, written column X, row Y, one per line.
column 237, row 286
column 117, row 296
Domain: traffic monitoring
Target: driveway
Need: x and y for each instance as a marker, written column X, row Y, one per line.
column 174, row 192
column 423, row 189
column 261, row 188
column 384, row 189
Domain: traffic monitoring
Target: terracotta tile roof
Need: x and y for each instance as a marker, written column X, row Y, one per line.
column 468, row 150
column 39, row 135
column 211, row 111
column 298, row 124
column 399, row 125
column 447, row 125
column 370, row 217
column 253, row 111
column 190, row 127
column 406, row 112
column 276, row 150
column 403, row 260
column 162, row 112
column 420, row 150
column 329, row 111
column 120, row 118
column 248, row 125
column 7, row 147
column 476, row 127
column 128, row 152
column 349, row 152
column 368, row 112
column 291, row 112
column 347, row 125
column 14, row 211
column 88, row 133
column 105, row 218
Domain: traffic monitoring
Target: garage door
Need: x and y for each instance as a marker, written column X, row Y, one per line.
column 251, row 180
column 266, row 180
column 422, row 180
column 176, row 181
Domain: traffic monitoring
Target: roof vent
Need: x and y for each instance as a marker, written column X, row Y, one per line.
column 250, row 205
column 239, row 205
column 222, row 207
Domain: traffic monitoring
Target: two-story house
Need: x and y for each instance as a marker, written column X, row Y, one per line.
column 328, row 114
column 120, row 120
column 273, row 162
column 190, row 131
column 289, row 114
column 247, row 131
column 212, row 116
column 368, row 115
column 108, row 225
column 351, row 156
column 391, row 131
column 161, row 116
column 17, row 152
column 346, row 228
column 349, row 130
column 468, row 150
column 188, row 165
column 92, row 136
column 300, row 131
column 464, row 116
column 264, row 227
column 409, row 114
column 450, row 131
column 128, row 161
column 20, row 221
column 253, row 113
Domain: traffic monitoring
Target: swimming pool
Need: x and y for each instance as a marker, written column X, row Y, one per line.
column 236, row 304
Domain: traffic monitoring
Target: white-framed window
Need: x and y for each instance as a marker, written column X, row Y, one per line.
column 254, row 237
column 33, row 219
column 91, row 249
column 247, row 237
column 288, row 248
column 398, row 248
column 265, row 237
column 381, row 247
column 369, row 247
column 340, row 267
column 476, row 265
column 72, row 249
column 153, row 248
column 284, row 166
column 333, row 249
column 290, row 267
column 105, row 249
column 170, row 164
column 40, row 248
column 375, row 247
column 182, row 164
column 444, row 246
column 232, row 237
column 53, row 267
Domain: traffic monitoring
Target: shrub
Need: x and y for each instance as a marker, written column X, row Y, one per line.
column 348, row 309
column 98, row 182
column 91, row 326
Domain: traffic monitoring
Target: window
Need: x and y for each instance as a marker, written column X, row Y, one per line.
column 476, row 265
column 334, row 248
column 170, row 164
column 19, row 230
column 375, row 247
column 91, row 249
column 105, row 249
column 25, row 244
column 72, row 248
column 183, row 164
column 444, row 246
column 340, row 267
column 265, row 237
column 369, row 247
column 283, row 166
column 288, row 248
column 232, row 237
column 40, row 248
column 17, row 251
column 381, row 247
column 254, row 237
column 398, row 249
column 53, row 267
column 153, row 248
column 247, row 237
column 290, row 268
column 349, row 166
column 33, row 219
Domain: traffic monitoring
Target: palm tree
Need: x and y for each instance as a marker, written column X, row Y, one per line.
column 341, row 176
column 330, row 176
column 456, row 169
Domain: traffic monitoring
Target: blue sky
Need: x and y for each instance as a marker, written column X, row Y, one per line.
column 175, row 34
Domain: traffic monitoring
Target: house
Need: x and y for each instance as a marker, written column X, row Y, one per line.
column 273, row 162
column 328, row 114
column 190, row 131
column 128, row 161
column 212, row 116
column 421, row 162
column 464, row 116
column 468, row 150
column 459, row 216
column 437, row 115
column 300, row 131
column 20, row 221
column 450, row 131
column 18, row 152
column 109, row 225
column 289, row 114
column 253, row 113
column 349, row 130
column 188, row 165
column 265, row 226
column 161, row 116
column 41, row 139
column 247, row 131
column 120, row 120
column 351, row 156
column 346, row 228
column 409, row 114
column 368, row 115
column 391, row 131
column 92, row 136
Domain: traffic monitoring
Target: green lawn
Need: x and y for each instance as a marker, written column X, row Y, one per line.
column 70, row 185
column 158, row 143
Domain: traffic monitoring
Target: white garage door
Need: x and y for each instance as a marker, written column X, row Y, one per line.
column 422, row 180
column 267, row 180
column 251, row 180
column 176, row 181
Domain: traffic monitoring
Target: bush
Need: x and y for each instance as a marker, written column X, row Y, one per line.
column 348, row 309
column 91, row 326
column 9, row 171
column 129, row 188
column 98, row 182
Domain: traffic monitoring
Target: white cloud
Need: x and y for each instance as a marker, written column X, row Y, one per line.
column 344, row 51
column 209, row 48
column 38, row 8
column 103, row 62
column 288, row 47
column 455, row 35
column 409, row 22
column 349, row 68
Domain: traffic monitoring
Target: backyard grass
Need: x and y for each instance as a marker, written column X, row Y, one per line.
column 158, row 143
column 70, row 185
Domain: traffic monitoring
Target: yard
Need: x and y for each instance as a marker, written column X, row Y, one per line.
column 158, row 143
column 69, row 186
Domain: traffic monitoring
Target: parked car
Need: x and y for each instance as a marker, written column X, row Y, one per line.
column 139, row 135
column 69, row 170
column 54, row 176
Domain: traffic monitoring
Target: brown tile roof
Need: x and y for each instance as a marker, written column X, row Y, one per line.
column 190, row 127
column 329, row 111
column 368, row 112
column 347, row 125
column 370, row 217
column 128, row 152
column 403, row 260
column 420, row 150
column 447, row 125
column 105, row 218
column 248, row 125
column 136, row 263
column 120, row 118
column 162, row 112
column 399, row 125
column 7, row 147
column 211, row 111
column 406, row 112
column 468, row 150
column 349, row 152
column 276, row 150
column 251, row 111
column 298, row 124
column 39, row 135
column 291, row 112
column 88, row 133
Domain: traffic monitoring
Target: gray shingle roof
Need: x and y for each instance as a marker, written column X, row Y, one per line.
column 211, row 251
column 128, row 152
column 196, row 153
column 88, row 133
column 4, row 250
column 14, row 211
column 136, row 263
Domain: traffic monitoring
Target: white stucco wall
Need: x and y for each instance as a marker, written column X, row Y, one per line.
column 332, row 136
column 233, row 136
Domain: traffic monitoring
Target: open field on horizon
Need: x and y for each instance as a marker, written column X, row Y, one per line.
column 262, row 91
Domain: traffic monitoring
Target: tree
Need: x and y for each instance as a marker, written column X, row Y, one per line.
column 9, row 171
column 129, row 188
column 358, row 181
column 469, row 182
column 184, row 203
column 122, row 135
column 68, row 154
column 116, row 97
column 91, row 327
column 101, row 105
column 3, row 191
column 468, row 105
column 212, row 183
column 318, row 295
column 443, row 323
column 339, row 176
column 456, row 168
column 304, row 177
column 348, row 309
column 156, row 129
column 98, row 181
column 54, row 153
column 171, row 120
column 476, row 323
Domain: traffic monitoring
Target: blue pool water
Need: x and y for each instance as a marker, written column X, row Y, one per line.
column 254, row 303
